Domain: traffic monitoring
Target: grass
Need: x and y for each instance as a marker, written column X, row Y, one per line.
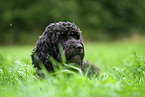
column 122, row 65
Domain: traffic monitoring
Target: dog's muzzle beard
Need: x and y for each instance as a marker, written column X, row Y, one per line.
column 74, row 51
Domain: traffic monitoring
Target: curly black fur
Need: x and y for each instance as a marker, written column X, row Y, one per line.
column 69, row 36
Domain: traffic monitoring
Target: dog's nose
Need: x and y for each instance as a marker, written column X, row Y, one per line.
column 79, row 47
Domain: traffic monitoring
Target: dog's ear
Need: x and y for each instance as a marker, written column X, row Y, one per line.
column 35, row 60
column 49, row 42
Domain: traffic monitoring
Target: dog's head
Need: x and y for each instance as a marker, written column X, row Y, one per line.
column 68, row 35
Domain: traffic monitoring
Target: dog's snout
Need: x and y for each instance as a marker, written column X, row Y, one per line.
column 79, row 47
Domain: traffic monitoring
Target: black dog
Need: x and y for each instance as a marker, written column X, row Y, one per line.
column 69, row 36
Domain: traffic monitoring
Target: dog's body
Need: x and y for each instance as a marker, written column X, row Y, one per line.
column 69, row 36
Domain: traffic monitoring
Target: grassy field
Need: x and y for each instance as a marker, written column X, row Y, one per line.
column 122, row 65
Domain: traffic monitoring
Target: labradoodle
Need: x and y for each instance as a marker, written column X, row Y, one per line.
column 69, row 36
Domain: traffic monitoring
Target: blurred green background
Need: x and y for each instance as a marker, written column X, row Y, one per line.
column 22, row 21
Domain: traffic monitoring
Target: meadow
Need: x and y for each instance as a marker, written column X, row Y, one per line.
column 122, row 67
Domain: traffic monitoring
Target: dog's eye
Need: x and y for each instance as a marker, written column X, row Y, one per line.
column 61, row 37
column 62, row 33
column 71, row 33
column 77, row 36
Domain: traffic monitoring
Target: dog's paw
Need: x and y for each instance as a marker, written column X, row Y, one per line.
column 90, row 69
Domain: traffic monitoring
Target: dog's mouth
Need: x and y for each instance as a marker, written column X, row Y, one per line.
column 74, row 59
column 74, row 51
column 74, row 56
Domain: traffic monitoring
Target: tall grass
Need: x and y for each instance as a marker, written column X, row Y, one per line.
column 122, row 65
